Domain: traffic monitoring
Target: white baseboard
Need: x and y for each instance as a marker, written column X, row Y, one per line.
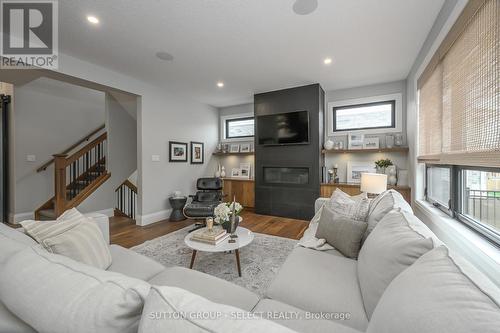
column 143, row 220
column 19, row 217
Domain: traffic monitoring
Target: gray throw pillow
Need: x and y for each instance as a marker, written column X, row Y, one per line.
column 341, row 232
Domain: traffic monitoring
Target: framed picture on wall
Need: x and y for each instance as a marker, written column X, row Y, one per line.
column 355, row 141
column 245, row 170
column 355, row 169
column 177, row 151
column 371, row 143
column 234, row 148
column 197, row 152
column 245, row 148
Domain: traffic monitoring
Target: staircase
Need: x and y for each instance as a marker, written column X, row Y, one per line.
column 76, row 177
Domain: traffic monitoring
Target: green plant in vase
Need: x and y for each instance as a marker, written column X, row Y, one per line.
column 382, row 164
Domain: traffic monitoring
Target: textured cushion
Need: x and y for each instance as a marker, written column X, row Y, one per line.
column 297, row 319
column 132, row 264
column 341, row 232
column 383, row 204
column 397, row 241
column 83, row 243
column 309, row 238
column 210, row 287
column 353, row 207
column 320, row 282
column 170, row 309
column 438, row 294
column 55, row 294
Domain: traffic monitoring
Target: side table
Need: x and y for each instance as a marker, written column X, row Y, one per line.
column 177, row 204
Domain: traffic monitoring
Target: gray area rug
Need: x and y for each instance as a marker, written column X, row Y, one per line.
column 260, row 260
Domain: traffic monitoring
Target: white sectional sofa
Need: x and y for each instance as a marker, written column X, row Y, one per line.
column 404, row 280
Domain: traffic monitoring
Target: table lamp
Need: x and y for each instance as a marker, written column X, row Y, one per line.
column 373, row 183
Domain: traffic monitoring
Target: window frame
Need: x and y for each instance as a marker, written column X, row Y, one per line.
column 223, row 127
column 398, row 114
column 393, row 116
column 229, row 120
column 457, row 183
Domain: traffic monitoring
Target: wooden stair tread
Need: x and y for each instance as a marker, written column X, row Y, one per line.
column 47, row 214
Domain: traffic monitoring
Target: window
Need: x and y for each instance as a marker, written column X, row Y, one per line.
column 438, row 188
column 239, row 128
column 459, row 120
column 364, row 116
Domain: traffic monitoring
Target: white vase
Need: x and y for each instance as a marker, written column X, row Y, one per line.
column 391, row 175
column 223, row 172
column 217, row 172
column 328, row 145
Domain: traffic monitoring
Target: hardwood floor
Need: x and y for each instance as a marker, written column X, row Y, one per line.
column 126, row 233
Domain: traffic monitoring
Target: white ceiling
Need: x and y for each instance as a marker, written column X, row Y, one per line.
column 251, row 45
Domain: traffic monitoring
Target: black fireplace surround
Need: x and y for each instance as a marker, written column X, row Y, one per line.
column 287, row 177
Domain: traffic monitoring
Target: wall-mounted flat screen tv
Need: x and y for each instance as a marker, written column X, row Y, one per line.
column 289, row 128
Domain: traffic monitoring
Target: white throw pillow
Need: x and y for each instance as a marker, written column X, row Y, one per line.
column 170, row 309
column 397, row 241
column 56, row 294
column 439, row 293
column 309, row 239
column 353, row 207
column 72, row 235
column 383, row 204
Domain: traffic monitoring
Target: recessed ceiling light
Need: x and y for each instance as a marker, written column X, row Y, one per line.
column 327, row 61
column 305, row 7
column 220, row 84
column 92, row 19
column 164, row 56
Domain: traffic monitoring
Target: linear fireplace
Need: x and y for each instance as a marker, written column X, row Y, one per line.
column 287, row 176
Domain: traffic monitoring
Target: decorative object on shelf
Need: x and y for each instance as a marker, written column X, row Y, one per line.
column 355, row 169
column 373, row 183
column 371, row 143
column 329, row 144
column 330, row 175
column 197, row 152
column 218, row 172
column 177, row 151
column 355, row 141
column 398, row 140
column 245, row 148
column 391, row 175
column 324, row 174
column 252, row 147
column 223, row 172
column 219, row 147
column 336, row 178
column 245, row 170
column 234, row 148
column 225, row 148
column 235, row 173
column 402, row 177
column 382, row 164
column 389, row 141
column 341, row 145
column 224, row 212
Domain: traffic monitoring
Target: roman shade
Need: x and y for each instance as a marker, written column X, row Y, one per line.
column 459, row 98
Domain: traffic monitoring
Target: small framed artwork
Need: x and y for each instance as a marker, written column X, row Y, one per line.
column 371, row 143
column 235, row 173
column 177, row 151
column 245, row 148
column 234, row 148
column 355, row 141
column 355, row 169
column 245, row 170
column 197, row 153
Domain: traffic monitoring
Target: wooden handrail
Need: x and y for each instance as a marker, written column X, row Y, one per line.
column 44, row 166
column 85, row 149
column 128, row 184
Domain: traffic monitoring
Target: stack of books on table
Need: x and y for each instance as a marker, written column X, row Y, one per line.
column 214, row 236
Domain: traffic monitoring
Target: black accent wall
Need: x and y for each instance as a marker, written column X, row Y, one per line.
column 289, row 199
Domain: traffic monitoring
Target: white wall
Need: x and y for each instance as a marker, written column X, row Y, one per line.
column 399, row 159
column 48, row 117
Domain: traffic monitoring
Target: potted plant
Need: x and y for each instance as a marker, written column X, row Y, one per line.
column 223, row 213
column 381, row 164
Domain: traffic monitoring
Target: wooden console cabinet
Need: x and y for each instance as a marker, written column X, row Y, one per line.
column 243, row 189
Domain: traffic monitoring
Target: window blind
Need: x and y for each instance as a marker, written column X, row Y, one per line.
column 459, row 97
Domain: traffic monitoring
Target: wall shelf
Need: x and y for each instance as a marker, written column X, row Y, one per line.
column 380, row 150
column 229, row 154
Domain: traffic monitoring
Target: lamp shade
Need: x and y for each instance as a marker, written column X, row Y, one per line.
column 374, row 183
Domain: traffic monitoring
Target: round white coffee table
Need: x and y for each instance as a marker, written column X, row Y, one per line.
column 244, row 238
